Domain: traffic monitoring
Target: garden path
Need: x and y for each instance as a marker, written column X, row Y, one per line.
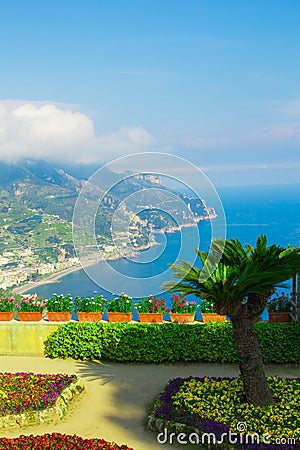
column 113, row 406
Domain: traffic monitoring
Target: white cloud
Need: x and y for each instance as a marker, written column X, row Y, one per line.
column 52, row 131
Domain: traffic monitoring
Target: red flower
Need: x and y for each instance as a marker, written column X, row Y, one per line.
column 57, row 441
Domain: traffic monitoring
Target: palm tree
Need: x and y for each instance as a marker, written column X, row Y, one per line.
column 239, row 281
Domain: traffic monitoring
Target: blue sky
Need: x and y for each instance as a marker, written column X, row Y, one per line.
column 215, row 82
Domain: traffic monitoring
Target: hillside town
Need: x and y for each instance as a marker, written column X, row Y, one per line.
column 18, row 267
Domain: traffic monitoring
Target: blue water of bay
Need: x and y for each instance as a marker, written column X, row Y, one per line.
column 250, row 211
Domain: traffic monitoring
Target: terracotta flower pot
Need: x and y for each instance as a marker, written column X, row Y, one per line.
column 89, row 316
column 119, row 317
column 6, row 316
column 151, row 317
column 213, row 317
column 59, row 316
column 29, row 316
column 182, row 318
column 279, row 317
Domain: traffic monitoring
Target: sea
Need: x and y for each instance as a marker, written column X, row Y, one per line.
column 249, row 211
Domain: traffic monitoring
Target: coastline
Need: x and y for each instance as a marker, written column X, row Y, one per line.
column 51, row 278
column 55, row 277
column 177, row 228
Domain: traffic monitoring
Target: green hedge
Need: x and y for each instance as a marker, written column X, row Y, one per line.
column 156, row 343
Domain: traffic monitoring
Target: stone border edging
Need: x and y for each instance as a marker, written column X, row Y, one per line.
column 155, row 424
column 46, row 415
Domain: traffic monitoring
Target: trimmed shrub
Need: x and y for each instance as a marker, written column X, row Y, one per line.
column 156, row 343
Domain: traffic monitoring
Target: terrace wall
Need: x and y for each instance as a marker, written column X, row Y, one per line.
column 24, row 339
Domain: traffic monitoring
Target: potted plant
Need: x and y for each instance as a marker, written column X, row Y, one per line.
column 30, row 308
column 208, row 314
column 7, row 306
column 90, row 309
column 59, row 308
column 119, row 309
column 279, row 308
column 151, row 309
column 182, row 310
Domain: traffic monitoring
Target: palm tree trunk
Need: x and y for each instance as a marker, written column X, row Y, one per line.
column 256, row 387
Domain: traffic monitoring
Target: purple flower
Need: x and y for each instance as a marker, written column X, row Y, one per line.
column 167, row 411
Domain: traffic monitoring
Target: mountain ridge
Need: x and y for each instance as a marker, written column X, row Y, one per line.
column 37, row 202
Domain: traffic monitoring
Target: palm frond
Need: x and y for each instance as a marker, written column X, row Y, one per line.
column 236, row 273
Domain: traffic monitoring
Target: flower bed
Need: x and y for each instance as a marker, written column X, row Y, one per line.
column 57, row 441
column 7, row 304
column 59, row 303
column 215, row 405
column 27, row 398
column 280, row 303
column 94, row 304
column 31, row 303
column 122, row 303
column 180, row 305
column 152, row 305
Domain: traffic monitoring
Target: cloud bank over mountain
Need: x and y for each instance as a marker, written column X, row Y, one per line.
column 53, row 132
